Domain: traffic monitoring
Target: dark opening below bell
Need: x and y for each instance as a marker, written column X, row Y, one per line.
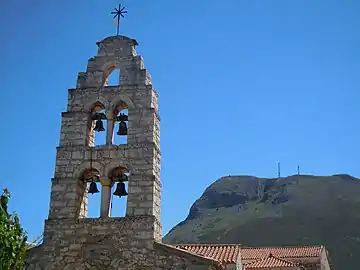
column 99, row 126
column 93, row 188
column 122, row 129
column 120, row 190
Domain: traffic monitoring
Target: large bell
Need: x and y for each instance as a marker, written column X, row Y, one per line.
column 122, row 128
column 120, row 190
column 93, row 188
column 99, row 126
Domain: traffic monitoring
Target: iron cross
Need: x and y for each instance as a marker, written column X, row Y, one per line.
column 120, row 11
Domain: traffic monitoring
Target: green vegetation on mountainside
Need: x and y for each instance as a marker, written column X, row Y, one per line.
column 296, row 210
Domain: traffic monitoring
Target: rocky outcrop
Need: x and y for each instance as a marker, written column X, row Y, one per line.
column 295, row 210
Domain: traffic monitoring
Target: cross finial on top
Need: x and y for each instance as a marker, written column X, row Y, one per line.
column 120, row 11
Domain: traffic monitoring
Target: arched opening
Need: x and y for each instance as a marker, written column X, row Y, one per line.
column 120, row 178
column 92, row 198
column 98, row 125
column 112, row 77
column 120, row 133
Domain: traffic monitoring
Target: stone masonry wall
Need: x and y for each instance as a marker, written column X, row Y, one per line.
column 324, row 265
column 142, row 160
column 141, row 102
column 141, row 155
column 112, row 243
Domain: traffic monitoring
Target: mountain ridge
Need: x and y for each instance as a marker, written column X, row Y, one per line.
column 294, row 210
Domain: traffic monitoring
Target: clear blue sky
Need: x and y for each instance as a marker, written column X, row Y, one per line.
column 242, row 85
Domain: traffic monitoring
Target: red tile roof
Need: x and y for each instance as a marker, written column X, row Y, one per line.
column 248, row 253
column 269, row 262
column 227, row 254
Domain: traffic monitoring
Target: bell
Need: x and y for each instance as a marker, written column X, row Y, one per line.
column 99, row 126
column 120, row 190
column 122, row 129
column 93, row 188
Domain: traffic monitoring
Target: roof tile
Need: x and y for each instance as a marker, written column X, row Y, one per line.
column 223, row 253
column 228, row 253
column 269, row 262
column 248, row 253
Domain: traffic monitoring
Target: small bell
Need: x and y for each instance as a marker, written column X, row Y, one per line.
column 120, row 190
column 122, row 129
column 93, row 188
column 99, row 126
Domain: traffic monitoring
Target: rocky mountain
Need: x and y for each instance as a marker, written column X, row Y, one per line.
column 296, row 210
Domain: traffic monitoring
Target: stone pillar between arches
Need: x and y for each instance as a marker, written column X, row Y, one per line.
column 106, row 185
column 110, row 129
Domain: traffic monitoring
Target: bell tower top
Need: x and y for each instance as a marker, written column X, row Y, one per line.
column 120, row 46
column 83, row 161
column 114, row 52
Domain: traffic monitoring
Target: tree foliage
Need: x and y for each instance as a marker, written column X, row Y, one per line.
column 12, row 237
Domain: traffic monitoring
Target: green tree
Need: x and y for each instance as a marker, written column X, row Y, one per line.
column 12, row 237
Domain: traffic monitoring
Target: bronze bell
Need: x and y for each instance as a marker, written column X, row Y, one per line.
column 93, row 188
column 122, row 128
column 120, row 190
column 99, row 126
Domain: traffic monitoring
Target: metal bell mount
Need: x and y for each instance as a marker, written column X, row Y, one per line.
column 124, row 178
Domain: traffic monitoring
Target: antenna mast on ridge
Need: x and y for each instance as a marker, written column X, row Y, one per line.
column 279, row 175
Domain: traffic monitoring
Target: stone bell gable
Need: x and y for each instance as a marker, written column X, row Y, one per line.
column 71, row 239
column 92, row 103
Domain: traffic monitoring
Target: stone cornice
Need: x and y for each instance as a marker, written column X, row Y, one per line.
column 109, row 147
column 125, row 88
